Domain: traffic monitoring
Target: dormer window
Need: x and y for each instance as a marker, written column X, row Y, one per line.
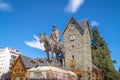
column 32, row 62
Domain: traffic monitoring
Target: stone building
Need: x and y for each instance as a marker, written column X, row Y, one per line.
column 77, row 37
column 78, row 57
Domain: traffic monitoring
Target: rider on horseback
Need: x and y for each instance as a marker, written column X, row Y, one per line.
column 55, row 35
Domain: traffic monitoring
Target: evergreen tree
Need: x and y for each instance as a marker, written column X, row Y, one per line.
column 101, row 56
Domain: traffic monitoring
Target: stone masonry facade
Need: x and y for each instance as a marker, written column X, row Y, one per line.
column 77, row 43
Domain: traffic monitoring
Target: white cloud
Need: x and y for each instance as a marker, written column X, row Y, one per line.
column 94, row 23
column 35, row 43
column 73, row 5
column 5, row 6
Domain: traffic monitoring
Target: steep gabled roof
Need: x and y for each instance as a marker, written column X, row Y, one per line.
column 19, row 57
column 73, row 20
column 82, row 25
column 85, row 23
column 26, row 61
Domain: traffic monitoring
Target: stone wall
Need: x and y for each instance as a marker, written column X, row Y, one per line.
column 79, row 48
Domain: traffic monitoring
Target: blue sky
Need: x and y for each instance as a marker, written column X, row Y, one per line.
column 21, row 21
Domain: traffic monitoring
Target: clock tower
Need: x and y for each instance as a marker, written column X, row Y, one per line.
column 77, row 47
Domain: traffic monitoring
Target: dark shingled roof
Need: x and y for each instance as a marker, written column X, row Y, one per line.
column 83, row 23
column 43, row 63
column 26, row 61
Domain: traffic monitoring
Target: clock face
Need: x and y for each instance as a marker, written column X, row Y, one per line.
column 72, row 37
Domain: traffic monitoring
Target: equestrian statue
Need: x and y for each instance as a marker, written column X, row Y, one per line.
column 52, row 44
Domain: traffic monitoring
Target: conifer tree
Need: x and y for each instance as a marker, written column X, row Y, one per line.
column 101, row 56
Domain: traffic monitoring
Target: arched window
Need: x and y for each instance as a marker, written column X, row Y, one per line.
column 73, row 57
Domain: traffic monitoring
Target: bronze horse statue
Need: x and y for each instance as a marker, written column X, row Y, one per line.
column 51, row 46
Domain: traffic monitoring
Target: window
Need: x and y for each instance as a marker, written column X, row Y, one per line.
column 72, row 46
column 73, row 57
